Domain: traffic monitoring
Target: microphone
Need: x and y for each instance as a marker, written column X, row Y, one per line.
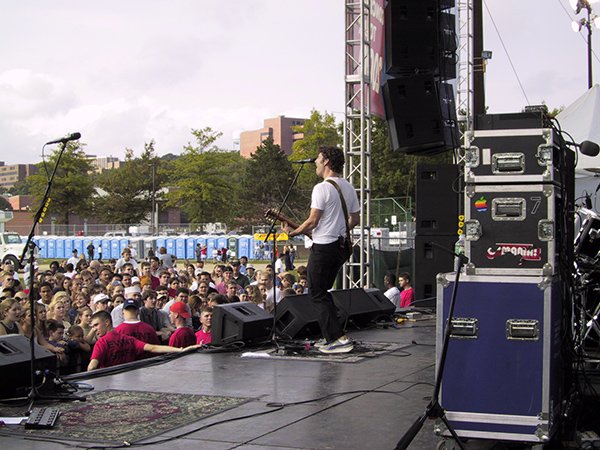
column 70, row 137
column 303, row 161
column 589, row 148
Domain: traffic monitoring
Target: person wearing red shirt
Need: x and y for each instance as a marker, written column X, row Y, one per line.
column 184, row 336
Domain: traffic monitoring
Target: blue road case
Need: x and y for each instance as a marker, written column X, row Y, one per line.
column 502, row 378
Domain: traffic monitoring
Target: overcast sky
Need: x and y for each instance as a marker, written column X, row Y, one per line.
column 125, row 72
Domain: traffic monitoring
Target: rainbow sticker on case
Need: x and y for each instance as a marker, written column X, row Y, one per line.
column 481, row 205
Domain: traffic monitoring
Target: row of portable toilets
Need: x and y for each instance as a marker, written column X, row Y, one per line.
column 183, row 247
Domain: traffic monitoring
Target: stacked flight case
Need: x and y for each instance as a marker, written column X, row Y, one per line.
column 502, row 378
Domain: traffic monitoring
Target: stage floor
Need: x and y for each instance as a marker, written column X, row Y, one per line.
column 358, row 417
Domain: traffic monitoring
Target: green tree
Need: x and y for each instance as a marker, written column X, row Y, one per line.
column 320, row 129
column 128, row 190
column 5, row 204
column 393, row 174
column 20, row 188
column 204, row 180
column 266, row 179
column 72, row 188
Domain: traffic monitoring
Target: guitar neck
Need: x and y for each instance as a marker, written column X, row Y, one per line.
column 274, row 215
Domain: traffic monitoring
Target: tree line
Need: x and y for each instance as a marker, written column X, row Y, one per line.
column 209, row 184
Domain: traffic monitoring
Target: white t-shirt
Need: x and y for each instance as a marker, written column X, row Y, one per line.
column 325, row 198
column 394, row 295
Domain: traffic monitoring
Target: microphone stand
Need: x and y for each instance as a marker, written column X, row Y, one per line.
column 30, row 245
column 434, row 410
column 272, row 232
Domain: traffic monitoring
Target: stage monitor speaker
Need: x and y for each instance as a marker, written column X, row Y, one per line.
column 362, row 306
column 242, row 321
column 437, row 194
column 296, row 318
column 419, row 37
column 15, row 364
column 429, row 261
column 420, row 114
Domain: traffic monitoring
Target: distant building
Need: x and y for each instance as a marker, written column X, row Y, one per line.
column 279, row 128
column 104, row 162
column 20, row 202
column 10, row 175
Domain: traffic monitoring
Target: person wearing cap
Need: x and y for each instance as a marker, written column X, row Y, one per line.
column 133, row 326
column 251, row 273
column 131, row 292
column 241, row 280
column 181, row 295
column 100, row 302
column 194, row 286
column 114, row 348
column 184, row 335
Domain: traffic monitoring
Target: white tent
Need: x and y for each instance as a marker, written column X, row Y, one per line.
column 581, row 120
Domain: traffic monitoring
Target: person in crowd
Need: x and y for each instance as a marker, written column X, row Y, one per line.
column 132, row 292
column 227, row 277
column 204, row 335
column 126, row 258
column 84, row 319
column 58, row 309
column 266, row 279
column 133, row 326
column 287, row 292
column 407, row 293
column 231, row 290
column 182, row 295
column 184, row 335
column 70, row 271
column 115, row 348
column 91, row 251
column 35, row 333
column 165, row 258
column 100, row 302
column 79, row 350
column 254, row 295
column 10, row 313
column 105, row 276
column 74, row 260
column 237, row 276
column 45, row 291
column 250, row 273
column 155, row 317
column 287, row 280
column 392, row 292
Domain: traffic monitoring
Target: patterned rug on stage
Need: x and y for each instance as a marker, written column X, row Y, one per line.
column 361, row 352
column 115, row 416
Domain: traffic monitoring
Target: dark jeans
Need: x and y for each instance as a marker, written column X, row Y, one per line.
column 324, row 263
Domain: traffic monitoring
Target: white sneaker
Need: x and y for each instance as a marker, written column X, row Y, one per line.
column 320, row 343
column 337, row 347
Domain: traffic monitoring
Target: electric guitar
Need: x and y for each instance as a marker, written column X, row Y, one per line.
column 273, row 215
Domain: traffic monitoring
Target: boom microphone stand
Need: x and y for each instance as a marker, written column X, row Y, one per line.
column 434, row 410
column 30, row 246
column 272, row 232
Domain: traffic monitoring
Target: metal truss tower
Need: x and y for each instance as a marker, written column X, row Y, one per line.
column 464, row 90
column 357, row 133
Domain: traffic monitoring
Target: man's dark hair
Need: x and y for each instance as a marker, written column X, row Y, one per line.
column 182, row 289
column 102, row 315
column 44, row 283
column 148, row 293
column 220, row 299
column 391, row 278
column 335, row 155
column 405, row 275
column 53, row 325
column 69, row 267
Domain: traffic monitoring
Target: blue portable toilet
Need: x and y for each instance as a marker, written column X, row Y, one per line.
column 115, row 250
column 222, row 242
column 97, row 243
column 244, row 248
column 68, row 246
column 60, row 248
column 105, row 248
column 78, row 245
column 180, row 247
column 51, row 252
column 123, row 243
column 161, row 242
column 170, row 245
column 190, row 248
column 211, row 244
column 43, row 245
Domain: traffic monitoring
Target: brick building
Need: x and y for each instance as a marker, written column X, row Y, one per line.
column 279, row 128
column 11, row 174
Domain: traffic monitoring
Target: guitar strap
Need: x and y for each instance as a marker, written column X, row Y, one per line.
column 344, row 207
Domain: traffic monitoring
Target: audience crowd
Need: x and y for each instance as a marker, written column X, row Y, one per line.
column 95, row 314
